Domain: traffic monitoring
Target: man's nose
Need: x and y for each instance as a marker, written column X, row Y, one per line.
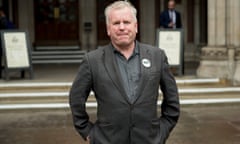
column 121, row 26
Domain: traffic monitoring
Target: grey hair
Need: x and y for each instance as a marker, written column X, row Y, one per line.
column 120, row 5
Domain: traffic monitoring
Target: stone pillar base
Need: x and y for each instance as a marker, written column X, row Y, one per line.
column 236, row 77
column 214, row 63
column 213, row 69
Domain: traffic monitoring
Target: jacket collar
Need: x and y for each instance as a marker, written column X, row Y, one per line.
column 112, row 69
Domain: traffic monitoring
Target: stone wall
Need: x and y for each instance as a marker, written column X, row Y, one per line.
column 221, row 58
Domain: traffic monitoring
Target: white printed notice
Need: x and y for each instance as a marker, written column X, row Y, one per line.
column 16, row 50
column 170, row 42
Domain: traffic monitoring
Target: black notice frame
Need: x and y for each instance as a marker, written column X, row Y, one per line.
column 16, row 52
column 171, row 41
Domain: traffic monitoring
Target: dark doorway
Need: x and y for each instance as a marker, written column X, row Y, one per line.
column 56, row 22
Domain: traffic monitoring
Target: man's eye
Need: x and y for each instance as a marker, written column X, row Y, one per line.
column 116, row 23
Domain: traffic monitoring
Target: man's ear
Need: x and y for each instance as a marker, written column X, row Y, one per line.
column 136, row 28
column 108, row 32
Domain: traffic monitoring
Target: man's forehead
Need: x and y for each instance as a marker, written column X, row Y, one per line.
column 121, row 10
column 121, row 14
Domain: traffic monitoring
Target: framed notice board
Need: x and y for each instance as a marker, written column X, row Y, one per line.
column 16, row 52
column 171, row 41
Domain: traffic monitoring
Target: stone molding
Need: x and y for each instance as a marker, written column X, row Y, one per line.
column 237, row 54
column 214, row 53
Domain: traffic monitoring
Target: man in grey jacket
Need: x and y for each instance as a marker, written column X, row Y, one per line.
column 125, row 77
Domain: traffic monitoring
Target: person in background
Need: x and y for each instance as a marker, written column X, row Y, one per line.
column 3, row 19
column 5, row 23
column 125, row 76
column 170, row 18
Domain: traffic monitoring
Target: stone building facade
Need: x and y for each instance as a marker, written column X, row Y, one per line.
column 211, row 29
column 221, row 57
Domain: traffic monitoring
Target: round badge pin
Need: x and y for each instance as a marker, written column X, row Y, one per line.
column 146, row 63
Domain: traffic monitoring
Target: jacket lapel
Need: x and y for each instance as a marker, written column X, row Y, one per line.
column 113, row 70
column 144, row 67
column 114, row 73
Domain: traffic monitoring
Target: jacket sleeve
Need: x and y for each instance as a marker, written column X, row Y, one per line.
column 79, row 93
column 179, row 20
column 164, row 20
column 3, row 23
column 170, row 108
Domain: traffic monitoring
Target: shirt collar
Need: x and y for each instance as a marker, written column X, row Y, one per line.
column 135, row 51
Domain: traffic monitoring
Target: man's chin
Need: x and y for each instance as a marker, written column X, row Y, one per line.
column 125, row 41
column 123, row 44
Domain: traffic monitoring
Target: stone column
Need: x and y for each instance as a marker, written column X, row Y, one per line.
column 214, row 57
column 234, row 37
column 221, row 58
column 88, row 15
column 147, row 21
column 26, row 18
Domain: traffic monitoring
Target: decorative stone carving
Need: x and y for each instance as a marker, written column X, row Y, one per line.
column 212, row 53
column 236, row 77
column 213, row 69
column 237, row 54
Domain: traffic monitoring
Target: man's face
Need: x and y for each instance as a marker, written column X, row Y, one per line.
column 122, row 28
column 171, row 5
column 1, row 14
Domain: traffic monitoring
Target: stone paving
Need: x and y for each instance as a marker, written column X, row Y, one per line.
column 46, row 73
column 198, row 124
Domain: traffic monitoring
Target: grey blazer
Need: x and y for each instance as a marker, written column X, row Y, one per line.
column 118, row 120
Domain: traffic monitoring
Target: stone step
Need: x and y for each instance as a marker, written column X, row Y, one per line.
column 48, row 94
column 59, row 52
column 65, row 105
column 65, row 86
column 48, row 97
column 51, row 48
column 202, row 82
column 47, row 61
column 46, row 57
column 35, row 86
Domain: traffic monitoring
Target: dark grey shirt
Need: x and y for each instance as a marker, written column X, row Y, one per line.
column 130, row 71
